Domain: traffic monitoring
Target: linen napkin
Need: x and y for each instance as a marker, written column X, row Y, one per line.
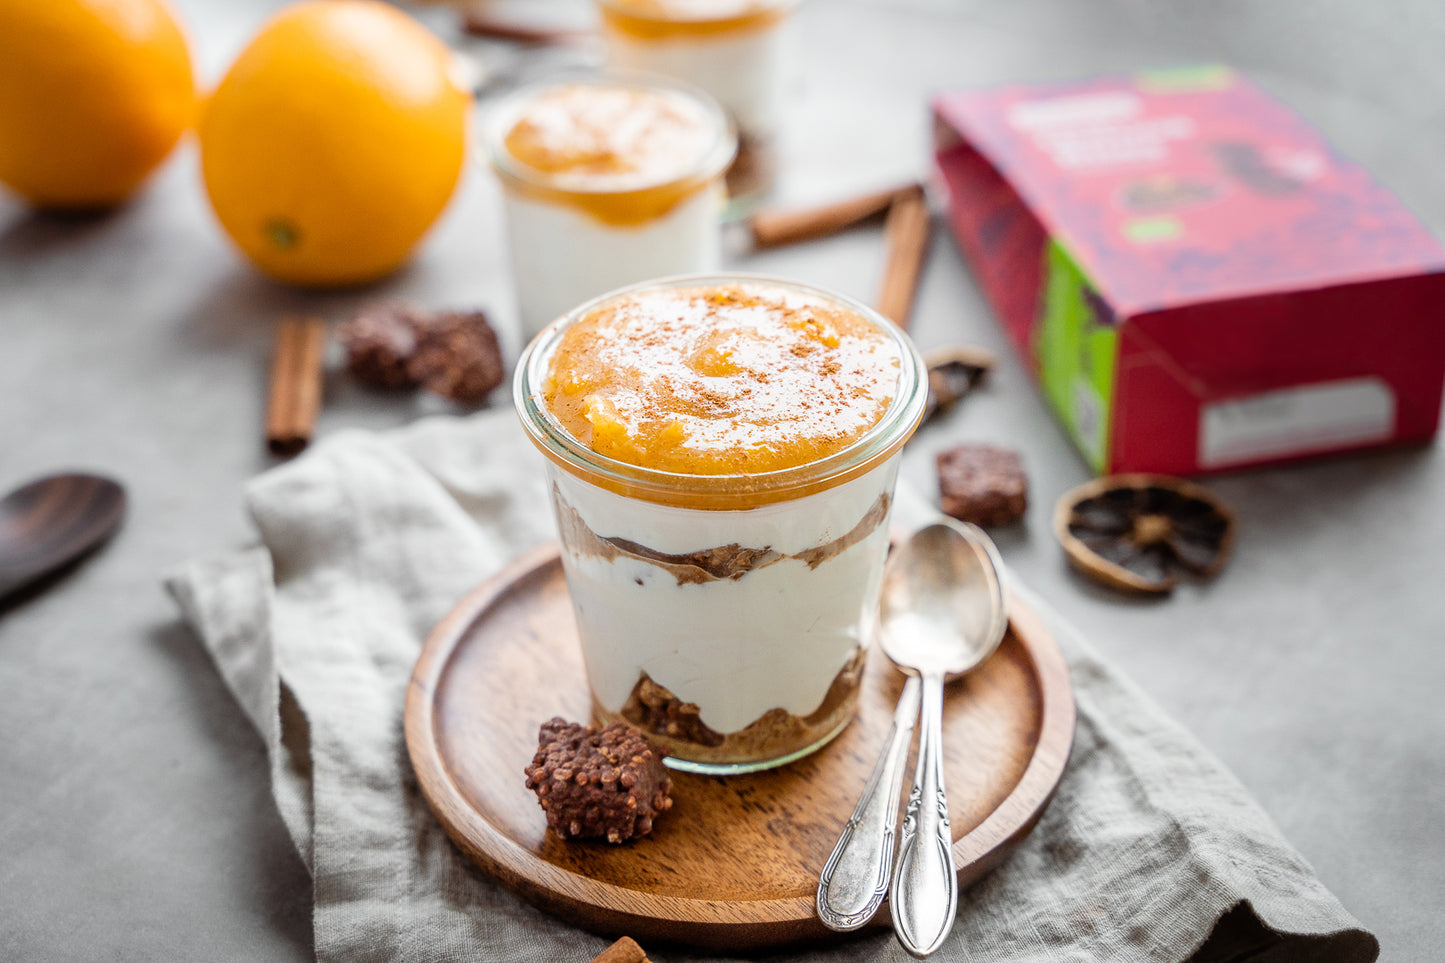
column 1150, row 851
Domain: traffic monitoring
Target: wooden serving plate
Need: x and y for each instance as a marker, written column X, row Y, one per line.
column 734, row 864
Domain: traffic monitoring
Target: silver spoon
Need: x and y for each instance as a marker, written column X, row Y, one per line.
column 52, row 521
column 941, row 612
column 856, row 878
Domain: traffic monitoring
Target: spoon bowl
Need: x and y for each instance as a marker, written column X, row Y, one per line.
column 52, row 521
column 942, row 603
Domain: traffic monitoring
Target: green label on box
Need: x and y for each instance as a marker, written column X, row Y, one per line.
column 1075, row 347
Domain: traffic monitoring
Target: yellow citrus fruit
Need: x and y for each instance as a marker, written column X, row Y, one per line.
column 334, row 141
column 93, row 95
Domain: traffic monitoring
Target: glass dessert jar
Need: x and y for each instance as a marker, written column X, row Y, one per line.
column 721, row 453
column 737, row 50
column 606, row 181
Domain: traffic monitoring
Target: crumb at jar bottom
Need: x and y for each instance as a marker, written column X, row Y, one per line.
column 775, row 738
column 752, row 175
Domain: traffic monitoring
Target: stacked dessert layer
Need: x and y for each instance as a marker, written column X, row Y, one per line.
column 733, row 635
column 606, row 182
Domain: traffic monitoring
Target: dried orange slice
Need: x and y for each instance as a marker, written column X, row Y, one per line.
column 1140, row 532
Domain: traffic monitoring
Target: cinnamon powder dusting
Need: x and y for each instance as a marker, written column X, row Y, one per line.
column 737, row 379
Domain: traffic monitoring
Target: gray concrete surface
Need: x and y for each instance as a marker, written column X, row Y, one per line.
column 135, row 822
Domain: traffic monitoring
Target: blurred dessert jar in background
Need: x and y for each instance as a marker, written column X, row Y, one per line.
column 606, row 181
column 721, row 454
column 737, row 50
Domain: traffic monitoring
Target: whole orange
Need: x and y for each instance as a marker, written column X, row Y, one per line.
column 93, row 95
column 334, row 141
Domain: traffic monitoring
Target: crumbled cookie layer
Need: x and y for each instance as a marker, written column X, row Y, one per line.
column 678, row 726
column 731, row 561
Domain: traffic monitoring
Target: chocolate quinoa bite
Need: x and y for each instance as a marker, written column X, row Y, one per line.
column 457, row 356
column 982, row 484
column 380, row 341
column 609, row 784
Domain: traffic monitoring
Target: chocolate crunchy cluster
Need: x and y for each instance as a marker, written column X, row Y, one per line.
column 609, row 784
column 457, row 356
column 380, row 341
column 982, row 484
column 754, row 166
column 452, row 353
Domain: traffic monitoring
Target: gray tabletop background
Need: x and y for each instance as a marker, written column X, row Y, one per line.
column 135, row 820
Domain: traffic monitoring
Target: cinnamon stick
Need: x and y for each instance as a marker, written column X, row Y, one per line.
column 294, row 400
column 478, row 23
column 775, row 228
column 905, row 239
column 623, row 951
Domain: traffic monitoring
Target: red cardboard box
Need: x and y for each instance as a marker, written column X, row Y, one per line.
column 1197, row 280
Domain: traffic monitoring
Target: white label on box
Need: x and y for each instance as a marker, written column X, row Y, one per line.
column 1296, row 421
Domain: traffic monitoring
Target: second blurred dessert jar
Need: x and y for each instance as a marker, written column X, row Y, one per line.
column 606, row 181
column 737, row 50
column 722, row 453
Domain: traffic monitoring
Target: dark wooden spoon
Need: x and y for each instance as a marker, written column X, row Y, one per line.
column 52, row 521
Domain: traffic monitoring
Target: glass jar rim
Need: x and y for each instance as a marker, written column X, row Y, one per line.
column 732, row 491
column 501, row 115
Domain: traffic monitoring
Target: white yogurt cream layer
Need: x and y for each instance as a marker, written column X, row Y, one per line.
column 775, row 637
column 562, row 256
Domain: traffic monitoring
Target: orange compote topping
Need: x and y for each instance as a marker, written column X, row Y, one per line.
column 659, row 19
column 728, row 380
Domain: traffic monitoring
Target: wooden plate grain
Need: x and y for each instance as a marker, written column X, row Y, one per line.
column 734, row 864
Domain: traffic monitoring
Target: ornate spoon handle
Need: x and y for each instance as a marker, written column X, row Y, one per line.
column 855, row 878
column 925, row 882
